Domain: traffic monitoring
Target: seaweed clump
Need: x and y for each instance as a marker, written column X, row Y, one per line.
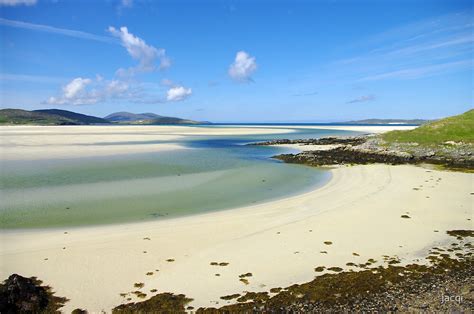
column 160, row 303
column 460, row 234
column 19, row 294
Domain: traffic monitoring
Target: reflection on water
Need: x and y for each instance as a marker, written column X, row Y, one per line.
column 219, row 172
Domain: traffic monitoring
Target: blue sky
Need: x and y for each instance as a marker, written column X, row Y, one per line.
column 239, row 61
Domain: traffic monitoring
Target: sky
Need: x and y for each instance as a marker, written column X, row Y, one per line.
column 239, row 61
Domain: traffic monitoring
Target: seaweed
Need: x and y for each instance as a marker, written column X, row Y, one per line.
column 245, row 281
column 230, row 296
column 245, row 275
column 19, row 294
column 461, row 233
column 160, row 303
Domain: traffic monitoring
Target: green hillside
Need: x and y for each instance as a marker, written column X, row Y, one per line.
column 47, row 117
column 79, row 118
column 458, row 128
column 21, row 117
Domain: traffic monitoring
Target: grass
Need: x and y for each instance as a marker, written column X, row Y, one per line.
column 458, row 128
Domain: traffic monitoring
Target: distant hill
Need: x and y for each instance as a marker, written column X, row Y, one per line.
column 47, row 117
column 130, row 117
column 77, row 117
column 458, row 128
column 147, row 119
column 388, row 121
column 64, row 117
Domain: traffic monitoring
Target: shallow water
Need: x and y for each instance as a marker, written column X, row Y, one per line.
column 219, row 172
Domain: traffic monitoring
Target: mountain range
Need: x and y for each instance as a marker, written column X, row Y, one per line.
column 64, row 117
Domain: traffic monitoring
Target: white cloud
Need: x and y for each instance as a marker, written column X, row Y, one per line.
column 243, row 67
column 139, row 50
column 178, row 93
column 75, row 87
column 85, row 91
column 17, row 2
column 364, row 98
column 56, row 30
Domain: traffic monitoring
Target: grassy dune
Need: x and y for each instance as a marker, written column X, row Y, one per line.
column 458, row 128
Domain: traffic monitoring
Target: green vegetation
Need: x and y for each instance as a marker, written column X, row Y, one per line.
column 458, row 128
column 17, row 116
column 46, row 117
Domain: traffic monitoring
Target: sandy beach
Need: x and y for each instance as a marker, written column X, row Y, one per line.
column 359, row 210
column 42, row 142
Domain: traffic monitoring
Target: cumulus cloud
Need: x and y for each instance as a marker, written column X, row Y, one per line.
column 85, row 91
column 364, row 98
column 12, row 3
column 242, row 67
column 75, row 87
column 178, row 93
column 138, row 49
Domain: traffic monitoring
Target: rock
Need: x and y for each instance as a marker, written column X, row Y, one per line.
column 353, row 141
column 373, row 150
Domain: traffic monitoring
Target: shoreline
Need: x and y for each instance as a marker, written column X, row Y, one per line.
column 249, row 239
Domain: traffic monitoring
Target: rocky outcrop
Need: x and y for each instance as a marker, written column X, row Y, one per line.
column 370, row 149
column 351, row 155
column 317, row 141
column 346, row 155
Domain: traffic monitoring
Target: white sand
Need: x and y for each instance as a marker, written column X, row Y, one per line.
column 42, row 142
column 279, row 242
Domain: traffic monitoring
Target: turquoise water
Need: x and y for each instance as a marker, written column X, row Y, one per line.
column 220, row 172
